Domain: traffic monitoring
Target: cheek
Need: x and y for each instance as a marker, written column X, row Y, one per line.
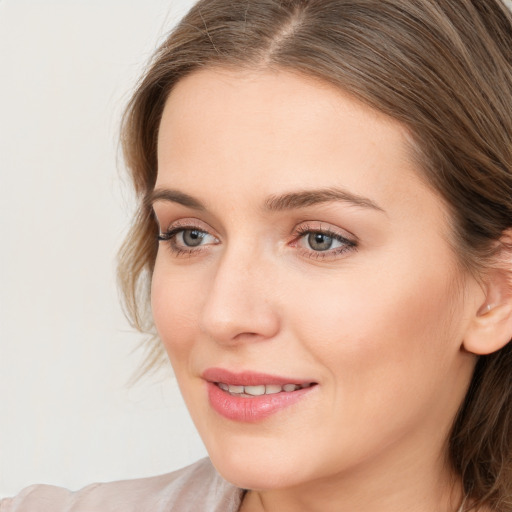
column 364, row 321
column 388, row 352
column 175, row 298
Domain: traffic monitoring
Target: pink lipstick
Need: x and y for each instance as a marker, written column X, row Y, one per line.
column 249, row 396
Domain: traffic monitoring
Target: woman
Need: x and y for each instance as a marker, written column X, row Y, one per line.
column 325, row 210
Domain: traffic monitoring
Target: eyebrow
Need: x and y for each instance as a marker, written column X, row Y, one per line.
column 274, row 203
column 174, row 196
column 305, row 198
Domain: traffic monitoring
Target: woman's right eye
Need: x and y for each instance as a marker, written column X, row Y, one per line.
column 187, row 240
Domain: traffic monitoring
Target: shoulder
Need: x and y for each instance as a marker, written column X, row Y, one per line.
column 196, row 487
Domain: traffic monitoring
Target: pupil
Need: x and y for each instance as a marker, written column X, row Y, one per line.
column 192, row 237
column 319, row 241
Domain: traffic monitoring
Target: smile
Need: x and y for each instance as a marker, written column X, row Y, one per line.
column 249, row 397
column 263, row 389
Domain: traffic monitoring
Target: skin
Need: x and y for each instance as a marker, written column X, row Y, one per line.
column 378, row 323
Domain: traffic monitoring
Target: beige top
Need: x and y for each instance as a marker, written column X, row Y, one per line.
column 196, row 488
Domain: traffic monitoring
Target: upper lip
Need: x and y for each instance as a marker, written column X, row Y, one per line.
column 248, row 378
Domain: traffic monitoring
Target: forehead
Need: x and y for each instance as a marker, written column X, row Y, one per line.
column 279, row 109
column 238, row 133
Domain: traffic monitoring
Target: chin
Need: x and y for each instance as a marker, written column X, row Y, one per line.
column 255, row 477
column 258, row 469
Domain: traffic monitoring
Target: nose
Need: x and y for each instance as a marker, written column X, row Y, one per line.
column 238, row 305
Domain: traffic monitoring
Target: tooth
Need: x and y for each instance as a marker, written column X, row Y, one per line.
column 255, row 390
column 235, row 389
column 223, row 386
column 270, row 389
column 290, row 387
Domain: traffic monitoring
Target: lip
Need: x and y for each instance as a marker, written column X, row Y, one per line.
column 248, row 378
column 250, row 409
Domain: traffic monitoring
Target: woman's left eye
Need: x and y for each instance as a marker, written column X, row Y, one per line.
column 323, row 243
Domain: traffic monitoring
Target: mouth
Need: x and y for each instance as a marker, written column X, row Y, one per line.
column 260, row 390
column 250, row 397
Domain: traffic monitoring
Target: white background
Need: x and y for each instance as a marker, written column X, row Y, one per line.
column 67, row 416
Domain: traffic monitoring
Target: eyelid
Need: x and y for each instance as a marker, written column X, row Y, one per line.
column 327, row 228
column 187, row 223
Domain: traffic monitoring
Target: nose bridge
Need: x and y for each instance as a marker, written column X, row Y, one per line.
column 238, row 301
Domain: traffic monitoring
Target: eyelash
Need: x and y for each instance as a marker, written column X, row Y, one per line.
column 300, row 233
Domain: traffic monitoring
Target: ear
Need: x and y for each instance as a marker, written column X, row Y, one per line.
column 491, row 325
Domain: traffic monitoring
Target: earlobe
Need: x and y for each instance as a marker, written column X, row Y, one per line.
column 490, row 328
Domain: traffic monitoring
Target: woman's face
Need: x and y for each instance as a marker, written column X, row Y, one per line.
column 303, row 257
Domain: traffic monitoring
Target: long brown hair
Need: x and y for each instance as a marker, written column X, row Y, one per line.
column 443, row 68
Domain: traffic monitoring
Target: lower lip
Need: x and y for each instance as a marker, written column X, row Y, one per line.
column 251, row 409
